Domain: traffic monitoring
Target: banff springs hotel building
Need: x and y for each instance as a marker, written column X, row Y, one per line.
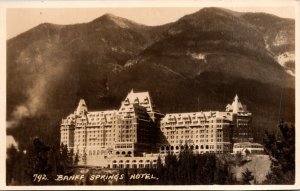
column 136, row 134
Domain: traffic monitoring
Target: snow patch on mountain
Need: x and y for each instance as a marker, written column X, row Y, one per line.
column 281, row 38
column 198, row 56
column 283, row 58
column 131, row 62
column 290, row 72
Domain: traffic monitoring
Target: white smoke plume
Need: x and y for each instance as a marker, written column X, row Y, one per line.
column 36, row 96
column 35, row 99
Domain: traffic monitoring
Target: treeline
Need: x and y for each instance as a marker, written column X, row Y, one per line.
column 23, row 167
column 186, row 168
column 281, row 149
column 193, row 169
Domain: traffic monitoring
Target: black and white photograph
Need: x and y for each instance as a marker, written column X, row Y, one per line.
column 192, row 95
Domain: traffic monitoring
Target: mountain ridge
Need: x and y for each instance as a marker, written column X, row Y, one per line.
column 216, row 54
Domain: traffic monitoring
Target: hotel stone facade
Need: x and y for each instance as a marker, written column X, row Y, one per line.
column 137, row 133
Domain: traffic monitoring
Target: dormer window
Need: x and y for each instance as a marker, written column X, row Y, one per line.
column 136, row 100
column 146, row 100
column 126, row 102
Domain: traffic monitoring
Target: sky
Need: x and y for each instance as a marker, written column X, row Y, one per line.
column 19, row 20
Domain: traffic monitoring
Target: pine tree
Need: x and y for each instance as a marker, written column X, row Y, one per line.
column 14, row 162
column 38, row 159
column 70, row 159
column 76, row 159
column 192, row 169
column 282, row 154
column 247, row 176
column 64, row 155
column 170, row 169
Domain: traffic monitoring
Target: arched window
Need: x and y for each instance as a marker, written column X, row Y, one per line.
column 177, row 147
column 167, row 148
column 123, row 152
column 172, row 148
column 192, row 147
column 206, row 146
column 201, row 147
column 197, row 147
column 162, row 148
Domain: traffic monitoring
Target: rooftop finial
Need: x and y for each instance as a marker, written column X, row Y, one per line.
column 236, row 98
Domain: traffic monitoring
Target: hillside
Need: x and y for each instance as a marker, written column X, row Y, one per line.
column 279, row 36
column 259, row 165
column 101, row 46
column 215, row 40
column 196, row 63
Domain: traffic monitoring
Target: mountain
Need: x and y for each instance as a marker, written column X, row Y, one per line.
column 279, row 37
column 196, row 63
column 45, row 55
column 216, row 40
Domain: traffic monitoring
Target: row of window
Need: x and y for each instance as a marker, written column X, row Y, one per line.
column 187, row 131
column 123, row 146
column 188, row 120
column 192, row 147
column 133, row 166
column 191, row 136
column 248, row 146
column 197, row 141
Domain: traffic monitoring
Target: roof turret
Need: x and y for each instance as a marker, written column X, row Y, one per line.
column 81, row 108
column 236, row 106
